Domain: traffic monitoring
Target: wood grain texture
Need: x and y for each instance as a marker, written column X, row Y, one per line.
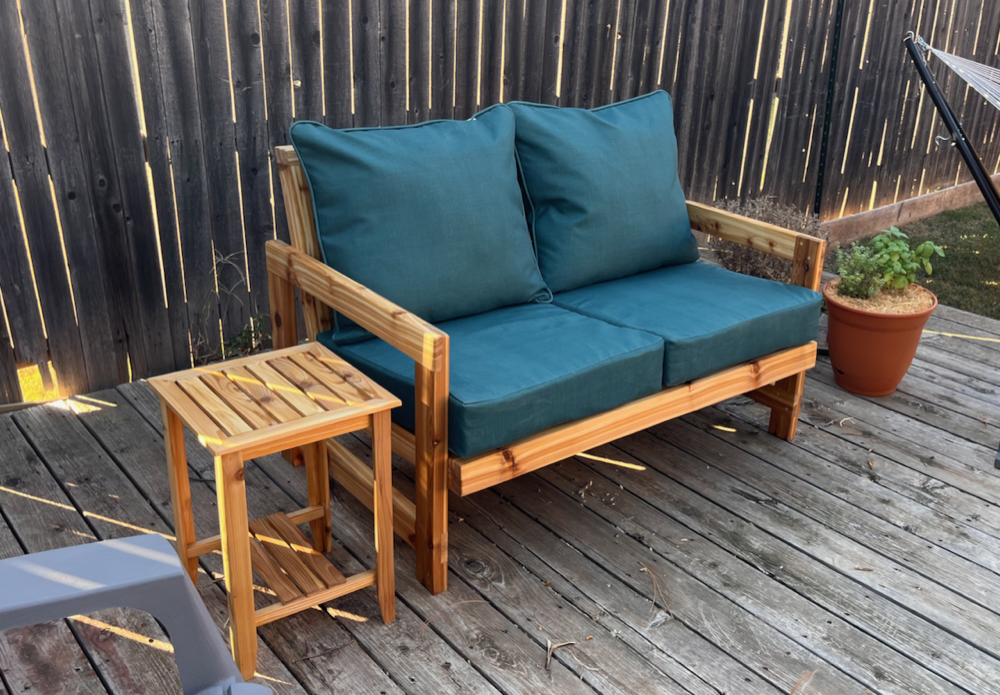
column 30, row 170
column 96, row 245
column 132, row 440
column 286, row 556
column 168, row 81
column 313, row 558
column 137, row 285
column 742, row 230
column 228, row 300
column 431, row 462
column 274, row 577
column 237, row 400
column 357, row 478
column 385, row 568
column 10, row 386
column 284, row 389
column 210, row 544
column 284, row 331
column 302, row 233
column 367, row 33
column 315, row 394
column 237, row 563
column 215, row 407
column 507, row 658
column 27, row 342
column 277, row 611
column 261, row 394
column 317, row 463
column 180, row 488
column 253, row 143
column 279, row 92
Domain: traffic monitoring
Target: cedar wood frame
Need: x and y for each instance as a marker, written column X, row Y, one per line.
column 775, row 380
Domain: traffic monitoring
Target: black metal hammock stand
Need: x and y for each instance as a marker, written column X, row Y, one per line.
column 983, row 79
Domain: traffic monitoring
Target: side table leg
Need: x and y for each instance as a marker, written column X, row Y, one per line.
column 382, row 463
column 318, row 483
column 180, row 488
column 234, row 527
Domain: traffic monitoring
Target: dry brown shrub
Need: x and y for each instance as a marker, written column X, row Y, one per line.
column 743, row 259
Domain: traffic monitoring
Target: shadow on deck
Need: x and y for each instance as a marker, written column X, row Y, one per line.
column 865, row 553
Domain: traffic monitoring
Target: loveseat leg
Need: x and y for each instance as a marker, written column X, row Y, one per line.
column 785, row 421
column 431, row 532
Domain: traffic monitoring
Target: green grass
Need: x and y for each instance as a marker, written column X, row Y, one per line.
column 969, row 276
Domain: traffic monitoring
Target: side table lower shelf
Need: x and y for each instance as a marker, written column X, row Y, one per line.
column 299, row 575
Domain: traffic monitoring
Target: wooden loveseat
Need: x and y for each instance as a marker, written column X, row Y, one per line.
column 774, row 379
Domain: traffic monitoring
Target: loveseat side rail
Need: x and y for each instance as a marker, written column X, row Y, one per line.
column 423, row 342
column 806, row 252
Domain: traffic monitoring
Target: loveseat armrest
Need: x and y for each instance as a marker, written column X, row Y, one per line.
column 806, row 252
column 413, row 336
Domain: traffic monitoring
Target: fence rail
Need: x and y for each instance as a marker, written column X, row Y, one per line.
column 141, row 186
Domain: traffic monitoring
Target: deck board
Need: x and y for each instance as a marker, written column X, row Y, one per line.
column 773, row 559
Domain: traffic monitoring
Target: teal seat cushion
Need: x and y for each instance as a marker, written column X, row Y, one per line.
column 519, row 370
column 709, row 318
column 429, row 216
column 605, row 198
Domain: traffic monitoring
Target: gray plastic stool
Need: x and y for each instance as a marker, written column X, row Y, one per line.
column 141, row 572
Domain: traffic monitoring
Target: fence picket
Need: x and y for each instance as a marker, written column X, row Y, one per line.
column 139, row 291
column 20, row 302
column 230, row 302
column 253, row 145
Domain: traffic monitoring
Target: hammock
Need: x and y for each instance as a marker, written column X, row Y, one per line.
column 982, row 78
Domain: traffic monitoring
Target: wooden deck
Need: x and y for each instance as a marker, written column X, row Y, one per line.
column 866, row 552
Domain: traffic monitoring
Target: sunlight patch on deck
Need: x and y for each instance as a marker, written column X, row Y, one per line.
column 613, row 462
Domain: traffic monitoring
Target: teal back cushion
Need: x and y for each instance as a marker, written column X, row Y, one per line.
column 603, row 187
column 429, row 216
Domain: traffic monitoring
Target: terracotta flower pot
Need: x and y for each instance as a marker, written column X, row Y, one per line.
column 871, row 352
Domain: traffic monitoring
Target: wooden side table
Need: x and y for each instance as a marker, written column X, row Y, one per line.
column 258, row 405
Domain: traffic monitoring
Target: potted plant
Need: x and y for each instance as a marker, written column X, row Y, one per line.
column 877, row 311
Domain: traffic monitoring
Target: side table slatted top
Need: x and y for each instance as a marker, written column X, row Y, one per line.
column 258, row 404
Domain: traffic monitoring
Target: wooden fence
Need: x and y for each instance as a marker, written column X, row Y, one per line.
column 133, row 219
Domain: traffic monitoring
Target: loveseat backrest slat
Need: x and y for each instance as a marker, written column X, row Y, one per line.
column 302, row 231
